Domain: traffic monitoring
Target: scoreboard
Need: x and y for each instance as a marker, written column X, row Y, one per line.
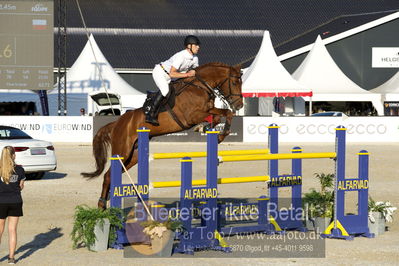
column 26, row 44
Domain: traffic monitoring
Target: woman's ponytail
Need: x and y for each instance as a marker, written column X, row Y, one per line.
column 7, row 164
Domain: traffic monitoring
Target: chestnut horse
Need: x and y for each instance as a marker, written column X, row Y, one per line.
column 194, row 101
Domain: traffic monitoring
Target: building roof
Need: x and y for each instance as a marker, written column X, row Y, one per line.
column 391, row 86
column 328, row 29
column 337, row 28
column 139, row 34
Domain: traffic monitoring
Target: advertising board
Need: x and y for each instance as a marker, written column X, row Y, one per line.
column 322, row 129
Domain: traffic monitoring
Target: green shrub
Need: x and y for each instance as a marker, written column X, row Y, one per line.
column 321, row 203
column 85, row 220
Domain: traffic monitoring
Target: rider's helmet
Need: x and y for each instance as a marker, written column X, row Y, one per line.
column 191, row 39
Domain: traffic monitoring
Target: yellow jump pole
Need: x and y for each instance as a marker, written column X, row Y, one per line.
column 229, row 180
column 179, row 155
column 280, row 156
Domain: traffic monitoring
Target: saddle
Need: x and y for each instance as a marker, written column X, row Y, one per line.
column 167, row 104
column 169, row 101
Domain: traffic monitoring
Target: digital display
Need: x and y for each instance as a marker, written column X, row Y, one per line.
column 26, row 45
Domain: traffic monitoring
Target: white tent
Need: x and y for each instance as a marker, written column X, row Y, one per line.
column 267, row 77
column 90, row 73
column 321, row 74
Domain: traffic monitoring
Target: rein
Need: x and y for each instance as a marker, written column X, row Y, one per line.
column 216, row 92
column 212, row 92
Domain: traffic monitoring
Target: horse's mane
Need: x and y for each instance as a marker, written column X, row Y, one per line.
column 212, row 64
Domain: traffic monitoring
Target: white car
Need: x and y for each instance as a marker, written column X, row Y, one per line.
column 35, row 156
column 329, row 113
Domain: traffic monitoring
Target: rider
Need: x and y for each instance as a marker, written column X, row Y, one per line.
column 180, row 65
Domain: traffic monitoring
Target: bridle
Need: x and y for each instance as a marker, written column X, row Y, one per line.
column 217, row 92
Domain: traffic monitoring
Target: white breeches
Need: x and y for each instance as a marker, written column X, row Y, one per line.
column 161, row 79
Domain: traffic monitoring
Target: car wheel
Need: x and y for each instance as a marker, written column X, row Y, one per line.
column 35, row 176
column 30, row 176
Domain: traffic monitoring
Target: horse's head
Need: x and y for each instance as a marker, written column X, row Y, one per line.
column 225, row 78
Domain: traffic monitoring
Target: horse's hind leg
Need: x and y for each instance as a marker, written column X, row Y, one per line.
column 102, row 202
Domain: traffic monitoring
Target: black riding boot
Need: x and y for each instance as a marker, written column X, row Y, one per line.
column 152, row 116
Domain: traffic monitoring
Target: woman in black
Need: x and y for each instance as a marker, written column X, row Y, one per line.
column 11, row 184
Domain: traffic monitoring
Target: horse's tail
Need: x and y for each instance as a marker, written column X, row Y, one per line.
column 101, row 143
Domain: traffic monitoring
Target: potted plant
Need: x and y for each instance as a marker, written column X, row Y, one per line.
column 95, row 228
column 379, row 213
column 319, row 204
column 162, row 235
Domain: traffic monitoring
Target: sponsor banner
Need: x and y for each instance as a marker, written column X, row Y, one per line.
column 189, row 135
column 322, row 129
column 391, row 108
column 183, row 136
column 385, row 57
column 247, row 129
column 100, row 121
column 53, row 128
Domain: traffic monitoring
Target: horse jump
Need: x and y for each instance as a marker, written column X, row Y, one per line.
column 343, row 226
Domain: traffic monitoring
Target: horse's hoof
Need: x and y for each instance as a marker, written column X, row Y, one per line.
column 102, row 205
column 199, row 128
column 202, row 128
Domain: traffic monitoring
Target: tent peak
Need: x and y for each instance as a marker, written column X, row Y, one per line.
column 267, row 77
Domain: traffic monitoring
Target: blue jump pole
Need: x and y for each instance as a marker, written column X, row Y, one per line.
column 143, row 155
column 118, row 190
column 273, row 173
column 295, row 221
column 276, row 181
column 116, row 181
column 346, row 226
column 203, row 236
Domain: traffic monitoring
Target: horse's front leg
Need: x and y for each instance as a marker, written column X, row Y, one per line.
column 218, row 113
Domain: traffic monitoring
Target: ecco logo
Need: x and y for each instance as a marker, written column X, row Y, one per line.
column 360, row 129
column 320, row 129
column 263, row 129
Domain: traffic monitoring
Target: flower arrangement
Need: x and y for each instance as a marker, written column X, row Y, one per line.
column 155, row 228
column 385, row 208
